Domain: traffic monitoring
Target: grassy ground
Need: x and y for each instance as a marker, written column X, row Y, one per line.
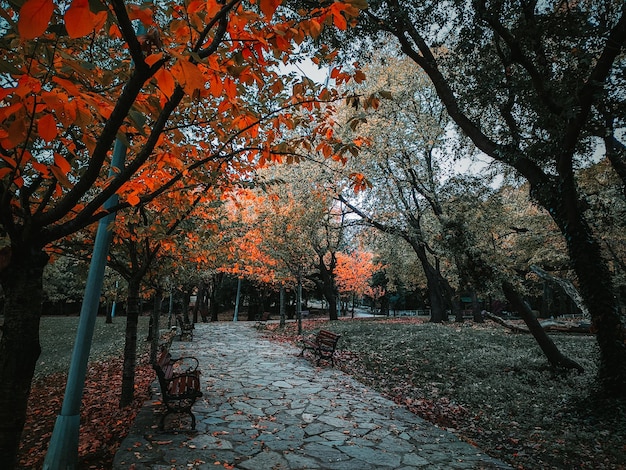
column 491, row 387
column 57, row 336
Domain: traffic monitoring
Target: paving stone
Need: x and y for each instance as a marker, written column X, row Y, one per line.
column 269, row 460
column 373, row 456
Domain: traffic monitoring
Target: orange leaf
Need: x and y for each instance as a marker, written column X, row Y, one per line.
column 62, row 163
column 165, row 82
column 67, row 85
column 60, row 176
column 188, row 76
column 315, row 28
column 141, row 13
column 133, row 199
column 47, row 127
column 153, row 58
column 11, row 161
column 268, row 7
column 359, row 76
column 41, row 168
column 34, row 18
column 216, row 85
column 212, row 8
column 339, row 19
column 79, row 21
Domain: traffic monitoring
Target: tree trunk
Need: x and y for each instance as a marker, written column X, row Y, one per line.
column 213, row 310
column 282, row 307
column 329, row 288
column 153, row 335
column 435, row 283
column 384, row 305
column 109, row 316
column 130, row 346
column 596, row 283
column 254, row 308
column 552, row 353
column 458, row 311
column 19, row 347
column 597, row 290
column 332, row 306
column 476, row 309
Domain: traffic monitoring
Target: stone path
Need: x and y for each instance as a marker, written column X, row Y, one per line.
column 265, row 408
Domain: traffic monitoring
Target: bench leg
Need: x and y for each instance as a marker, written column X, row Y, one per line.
column 175, row 410
column 168, row 412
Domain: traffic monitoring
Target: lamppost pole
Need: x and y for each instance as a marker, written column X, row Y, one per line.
column 63, row 449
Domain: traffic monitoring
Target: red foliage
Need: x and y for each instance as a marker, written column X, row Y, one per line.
column 103, row 423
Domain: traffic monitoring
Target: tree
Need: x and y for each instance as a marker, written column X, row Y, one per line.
column 407, row 148
column 533, row 86
column 73, row 84
column 354, row 273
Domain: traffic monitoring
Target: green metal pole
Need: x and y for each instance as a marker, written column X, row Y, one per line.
column 63, row 449
column 299, row 302
column 237, row 299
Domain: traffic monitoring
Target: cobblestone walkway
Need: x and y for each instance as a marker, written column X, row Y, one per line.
column 265, row 408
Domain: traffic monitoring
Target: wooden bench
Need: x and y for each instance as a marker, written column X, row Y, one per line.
column 186, row 328
column 323, row 346
column 262, row 322
column 179, row 380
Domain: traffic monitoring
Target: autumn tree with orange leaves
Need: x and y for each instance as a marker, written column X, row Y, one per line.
column 142, row 236
column 169, row 81
column 354, row 272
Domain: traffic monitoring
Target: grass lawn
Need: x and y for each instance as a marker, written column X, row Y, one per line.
column 57, row 336
column 491, row 387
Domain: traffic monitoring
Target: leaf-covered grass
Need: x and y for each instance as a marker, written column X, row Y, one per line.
column 489, row 386
column 103, row 423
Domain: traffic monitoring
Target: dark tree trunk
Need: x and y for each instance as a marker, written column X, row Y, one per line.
column 596, row 283
column 153, row 334
column 552, row 353
column 458, row 310
column 185, row 308
column 332, row 307
column 130, row 346
column 19, row 347
column 384, row 305
column 439, row 301
column 254, row 309
column 282, row 307
column 213, row 310
column 329, row 288
column 597, row 290
column 476, row 309
column 109, row 314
